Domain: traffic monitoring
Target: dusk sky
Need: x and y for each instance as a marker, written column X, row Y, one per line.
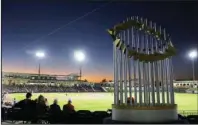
column 28, row 25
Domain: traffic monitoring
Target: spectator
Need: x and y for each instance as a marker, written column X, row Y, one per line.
column 68, row 108
column 46, row 102
column 28, row 107
column 55, row 112
column 41, row 107
column 26, row 103
column 55, row 108
column 128, row 100
column 41, row 99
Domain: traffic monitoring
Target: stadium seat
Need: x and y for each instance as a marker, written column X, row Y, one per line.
column 83, row 112
column 55, row 118
column 15, row 114
column 3, row 113
column 69, row 118
column 98, row 116
column 43, row 119
column 193, row 119
column 84, row 117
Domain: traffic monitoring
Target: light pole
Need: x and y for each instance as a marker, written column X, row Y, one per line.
column 39, row 55
column 79, row 56
column 193, row 54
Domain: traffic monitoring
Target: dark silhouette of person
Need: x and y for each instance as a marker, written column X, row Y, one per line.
column 128, row 100
column 55, row 108
column 46, row 102
column 68, row 108
column 27, row 107
column 55, row 112
column 26, row 103
column 41, row 107
column 69, row 112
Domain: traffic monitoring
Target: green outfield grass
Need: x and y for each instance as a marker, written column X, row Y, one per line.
column 103, row 101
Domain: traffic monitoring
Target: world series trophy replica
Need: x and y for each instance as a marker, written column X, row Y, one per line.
column 143, row 73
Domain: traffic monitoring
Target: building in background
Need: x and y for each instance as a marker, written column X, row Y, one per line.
column 186, row 83
column 176, row 83
column 28, row 78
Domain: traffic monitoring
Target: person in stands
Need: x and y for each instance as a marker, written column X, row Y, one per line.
column 46, row 102
column 68, row 108
column 26, row 103
column 55, row 108
column 28, row 107
column 128, row 100
column 55, row 112
column 41, row 107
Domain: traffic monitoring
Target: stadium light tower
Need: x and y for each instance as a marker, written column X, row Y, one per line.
column 80, row 57
column 39, row 55
column 193, row 54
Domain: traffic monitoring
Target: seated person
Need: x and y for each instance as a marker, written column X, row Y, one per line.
column 68, row 108
column 55, row 108
column 128, row 100
column 55, row 112
column 41, row 107
column 28, row 106
column 26, row 102
column 46, row 103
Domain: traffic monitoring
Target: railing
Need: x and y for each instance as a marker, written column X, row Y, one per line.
column 188, row 112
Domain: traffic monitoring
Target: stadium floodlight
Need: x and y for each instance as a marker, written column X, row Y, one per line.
column 193, row 54
column 40, row 54
column 79, row 56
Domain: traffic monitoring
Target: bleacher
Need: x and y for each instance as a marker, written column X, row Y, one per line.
column 44, row 88
column 98, row 88
column 80, row 117
column 16, row 115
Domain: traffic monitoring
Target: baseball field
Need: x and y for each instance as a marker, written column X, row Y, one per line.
column 103, row 101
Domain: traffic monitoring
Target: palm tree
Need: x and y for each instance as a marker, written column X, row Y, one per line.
column 104, row 80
